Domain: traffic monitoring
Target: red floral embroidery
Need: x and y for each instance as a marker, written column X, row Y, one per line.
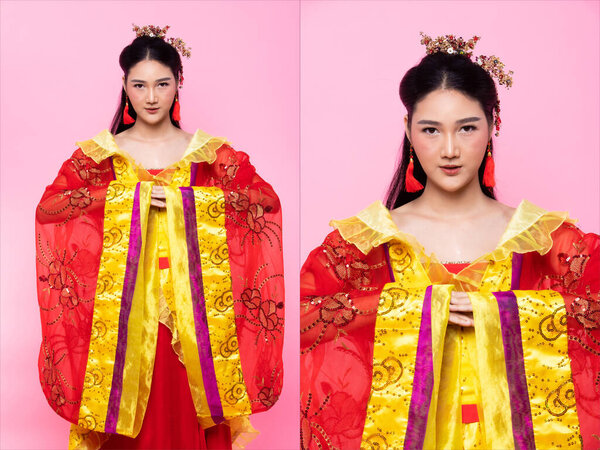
column 266, row 314
column 251, row 217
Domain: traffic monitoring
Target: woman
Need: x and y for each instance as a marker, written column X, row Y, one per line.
column 160, row 277
column 451, row 320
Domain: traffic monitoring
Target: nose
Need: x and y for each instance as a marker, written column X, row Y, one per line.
column 450, row 148
column 151, row 97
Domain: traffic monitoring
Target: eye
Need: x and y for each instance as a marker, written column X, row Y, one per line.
column 429, row 130
column 138, row 85
column 469, row 128
column 163, row 84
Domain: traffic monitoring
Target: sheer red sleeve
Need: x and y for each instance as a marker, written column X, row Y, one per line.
column 69, row 237
column 339, row 288
column 253, row 224
column 572, row 267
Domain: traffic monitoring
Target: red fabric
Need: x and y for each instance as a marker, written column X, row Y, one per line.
column 469, row 414
column 253, row 224
column 178, row 429
column 340, row 290
column 455, row 268
column 69, row 239
column 572, row 268
column 163, row 262
column 69, row 236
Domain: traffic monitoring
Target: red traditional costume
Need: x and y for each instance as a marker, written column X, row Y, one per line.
column 159, row 324
column 381, row 368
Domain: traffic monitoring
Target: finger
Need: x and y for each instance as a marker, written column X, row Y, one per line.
column 158, row 192
column 461, row 307
column 158, row 203
column 460, row 299
column 461, row 320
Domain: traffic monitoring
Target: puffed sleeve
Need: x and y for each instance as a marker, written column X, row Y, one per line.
column 253, row 224
column 572, row 268
column 69, row 237
column 339, row 289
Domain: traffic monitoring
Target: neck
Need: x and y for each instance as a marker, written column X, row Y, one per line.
column 458, row 204
column 153, row 132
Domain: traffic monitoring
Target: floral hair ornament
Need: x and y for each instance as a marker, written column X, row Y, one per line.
column 491, row 64
column 158, row 32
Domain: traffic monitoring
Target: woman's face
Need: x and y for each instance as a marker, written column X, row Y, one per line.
column 449, row 133
column 151, row 88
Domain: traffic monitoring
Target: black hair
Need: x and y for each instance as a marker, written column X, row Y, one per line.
column 440, row 71
column 145, row 48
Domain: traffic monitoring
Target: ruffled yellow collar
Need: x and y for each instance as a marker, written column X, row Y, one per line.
column 529, row 229
column 202, row 148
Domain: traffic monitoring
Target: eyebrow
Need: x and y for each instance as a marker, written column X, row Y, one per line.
column 157, row 81
column 458, row 122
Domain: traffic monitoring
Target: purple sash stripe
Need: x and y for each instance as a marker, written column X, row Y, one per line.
column 517, row 261
column 423, row 381
column 193, row 172
column 386, row 249
column 131, row 270
column 515, row 370
column 198, row 302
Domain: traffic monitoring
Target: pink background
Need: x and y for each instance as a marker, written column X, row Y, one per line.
column 354, row 54
column 61, row 82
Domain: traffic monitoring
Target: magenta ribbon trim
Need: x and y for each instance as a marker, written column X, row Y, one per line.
column 515, row 370
column 517, row 264
column 386, row 249
column 422, row 387
column 199, row 306
column 131, row 270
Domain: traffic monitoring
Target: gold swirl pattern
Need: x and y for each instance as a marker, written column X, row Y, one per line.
column 235, row 394
column 92, row 378
column 87, row 422
column 104, row 283
column 220, row 254
column 387, row 372
column 553, row 411
column 401, row 256
column 112, row 237
column 390, row 298
column 98, row 330
column 114, row 190
column 224, row 301
column 374, row 442
column 554, row 325
column 229, row 347
column 216, row 208
column 561, row 399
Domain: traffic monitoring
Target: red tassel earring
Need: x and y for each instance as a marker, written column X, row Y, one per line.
column 176, row 109
column 488, row 174
column 127, row 119
column 411, row 184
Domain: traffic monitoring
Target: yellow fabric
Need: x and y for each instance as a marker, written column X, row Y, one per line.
column 201, row 148
column 160, row 295
column 542, row 315
column 216, row 276
column 491, row 368
column 83, row 439
column 469, row 364
column 394, row 356
column 529, row 229
column 107, row 303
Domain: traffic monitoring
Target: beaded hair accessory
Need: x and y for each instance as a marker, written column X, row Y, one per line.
column 158, row 32
column 491, row 64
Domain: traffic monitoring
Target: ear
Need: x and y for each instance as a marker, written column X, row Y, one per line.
column 124, row 84
column 406, row 128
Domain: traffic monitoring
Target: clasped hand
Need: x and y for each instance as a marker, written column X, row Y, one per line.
column 461, row 310
column 158, row 197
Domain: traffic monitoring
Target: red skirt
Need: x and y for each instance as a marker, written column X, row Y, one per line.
column 170, row 420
